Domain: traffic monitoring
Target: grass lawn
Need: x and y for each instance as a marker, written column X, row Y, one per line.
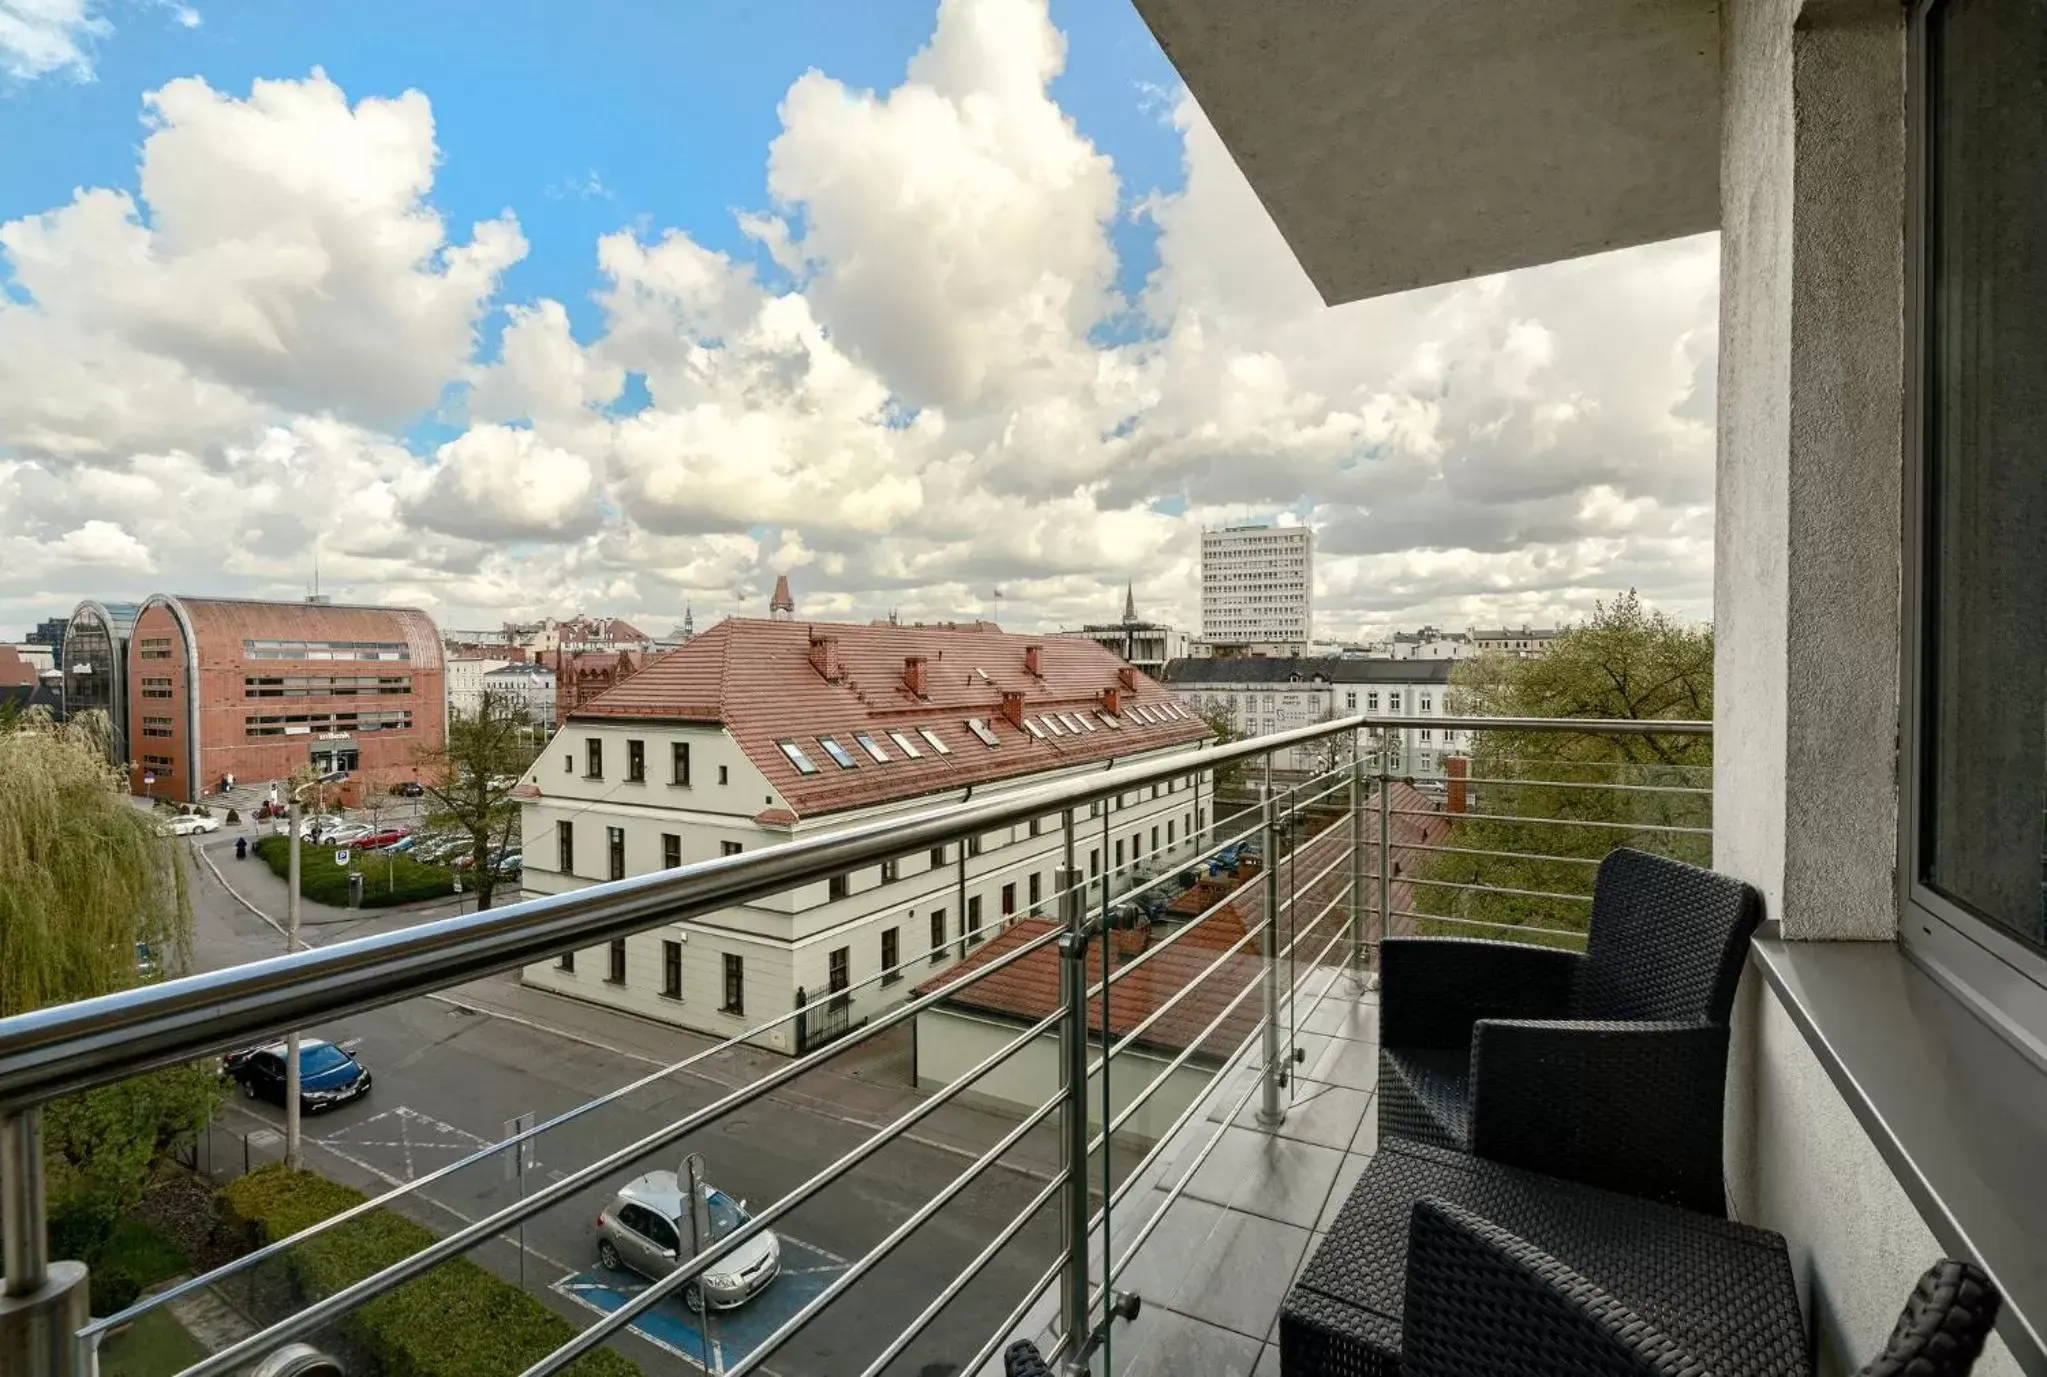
column 396, row 879
column 154, row 1346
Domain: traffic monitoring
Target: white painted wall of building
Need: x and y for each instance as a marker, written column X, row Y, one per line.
column 1260, row 709
column 951, row 1042
column 786, row 940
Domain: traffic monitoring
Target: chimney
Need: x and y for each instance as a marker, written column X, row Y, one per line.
column 1458, row 768
column 1034, row 661
column 1112, row 701
column 913, row 674
column 1012, row 708
column 824, row 656
column 1126, row 676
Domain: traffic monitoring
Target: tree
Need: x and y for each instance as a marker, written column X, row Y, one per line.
column 1222, row 724
column 85, row 881
column 1653, row 793
column 468, row 782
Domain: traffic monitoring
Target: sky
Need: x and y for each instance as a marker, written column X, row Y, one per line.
column 528, row 309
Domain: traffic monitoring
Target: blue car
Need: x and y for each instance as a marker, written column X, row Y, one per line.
column 328, row 1076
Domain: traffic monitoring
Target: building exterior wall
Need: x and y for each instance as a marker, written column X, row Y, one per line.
column 1800, row 1163
column 1262, row 708
column 951, row 1042
column 196, row 696
column 1258, row 585
column 466, row 681
column 95, row 667
column 786, row 939
column 1149, row 646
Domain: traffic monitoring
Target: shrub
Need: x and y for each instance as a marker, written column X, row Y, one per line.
column 203, row 811
column 234, row 819
column 455, row 1321
column 387, row 880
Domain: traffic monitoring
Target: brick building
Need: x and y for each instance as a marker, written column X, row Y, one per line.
column 258, row 689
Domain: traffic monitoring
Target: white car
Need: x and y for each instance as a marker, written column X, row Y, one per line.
column 332, row 830
column 190, row 824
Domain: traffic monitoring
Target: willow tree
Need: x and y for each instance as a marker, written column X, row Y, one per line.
column 86, row 882
column 1551, row 804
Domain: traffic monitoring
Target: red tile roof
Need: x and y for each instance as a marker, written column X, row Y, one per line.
column 1029, row 987
column 15, row 672
column 767, row 681
column 219, row 622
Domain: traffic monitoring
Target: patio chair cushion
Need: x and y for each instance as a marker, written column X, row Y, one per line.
column 1944, row 1325
column 1425, row 1094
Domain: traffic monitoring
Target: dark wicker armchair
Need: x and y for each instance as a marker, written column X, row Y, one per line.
column 1481, row 1301
column 1606, row 1067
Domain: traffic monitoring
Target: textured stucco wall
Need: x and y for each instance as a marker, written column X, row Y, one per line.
column 1800, row 1163
column 1808, row 479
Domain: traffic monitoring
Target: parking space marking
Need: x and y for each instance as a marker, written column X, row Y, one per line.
column 408, row 1131
column 734, row 1334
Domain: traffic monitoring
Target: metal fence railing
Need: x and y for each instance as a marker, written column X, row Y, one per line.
column 1171, row 961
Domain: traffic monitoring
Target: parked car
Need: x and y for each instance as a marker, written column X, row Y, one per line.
column 191, row 824
column 371, row 841
column 407, row 788
column 511, row 864
column 328, row 1076
column 647, row 1229
column 332, row 831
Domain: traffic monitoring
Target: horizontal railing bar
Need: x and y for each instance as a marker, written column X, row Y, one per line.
column 1557, row 822
column 1502, row 855
column 50, row 1052
column 655, row 1291
column 1481, row 923
column 1497, row 889
column 451, row 1245
column 865, row 1263
column 1591, row 784
column 965, row 1278
column 1002, row 1331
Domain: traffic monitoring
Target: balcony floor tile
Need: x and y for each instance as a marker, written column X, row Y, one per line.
column 1227, row 1267
column 1321, row 1113
column 1163, row 1343
column 1344, row 1018
column 1355, row 1064
column 1282, row 1179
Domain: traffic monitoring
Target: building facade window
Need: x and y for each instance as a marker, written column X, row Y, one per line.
column 735, row 984
column 1975, row 708
column 973, row 918
column 938, row 938
column 565, row 847
column 937, row 857
column 671, row 969
column 671, row 850
column 724, row 772
column 616, row 975
column 891, row 955
column 156, row 688
column 636, row 762
column 1009, row 899
column 614, row 846
column 593, row 758
column 566, row 962
column 839, row 975
column 157, row 726
column 838, row 887
column 1036, row 886
column 891, row 871
column 730, row 848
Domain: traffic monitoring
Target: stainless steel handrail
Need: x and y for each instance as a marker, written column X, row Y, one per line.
column 56, row 1051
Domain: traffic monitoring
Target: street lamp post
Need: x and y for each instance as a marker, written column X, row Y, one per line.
column 293, row 1154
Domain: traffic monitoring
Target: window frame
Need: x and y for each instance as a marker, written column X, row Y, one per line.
column 732, row 984
column 635, row 761
column 614, row 973
column 678, row 764
column 565, row 846
column 614, row 852
column 671, row 850
column 891, row 955
column 2000, row 978
column 593, row 757
column 671, row 969
column 941, row 944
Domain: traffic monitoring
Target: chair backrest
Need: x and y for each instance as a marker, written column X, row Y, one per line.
column 1667, row 940
column 1944, row 1326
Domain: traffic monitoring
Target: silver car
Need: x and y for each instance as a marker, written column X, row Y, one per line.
column 647, row 1229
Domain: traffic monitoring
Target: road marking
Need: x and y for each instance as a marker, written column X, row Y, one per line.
column 569, row 1289
column 821, row 1108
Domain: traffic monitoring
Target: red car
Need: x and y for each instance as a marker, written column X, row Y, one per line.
column 383, row 838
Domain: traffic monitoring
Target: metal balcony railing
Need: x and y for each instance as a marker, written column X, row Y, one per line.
column 1337, row 859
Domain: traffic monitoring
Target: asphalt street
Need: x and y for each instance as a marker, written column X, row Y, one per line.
column 450, row 1075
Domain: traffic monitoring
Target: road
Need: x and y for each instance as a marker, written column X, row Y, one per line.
column 448, row 1077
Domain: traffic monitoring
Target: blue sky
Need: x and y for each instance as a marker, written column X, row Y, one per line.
column 668, row 108
column 312, row 326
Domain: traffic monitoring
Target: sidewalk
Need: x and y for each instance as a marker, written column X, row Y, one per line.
column 865, row 1084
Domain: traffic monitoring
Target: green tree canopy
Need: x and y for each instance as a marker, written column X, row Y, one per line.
column 468, row 782
column 1551, row 804
column 84, row 879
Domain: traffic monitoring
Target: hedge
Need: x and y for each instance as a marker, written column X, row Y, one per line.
column 456, row 1320
column 387, row 880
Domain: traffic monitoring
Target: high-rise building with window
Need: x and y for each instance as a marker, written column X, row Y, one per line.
column 1258, row 588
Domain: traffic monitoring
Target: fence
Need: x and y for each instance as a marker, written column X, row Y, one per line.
column 1183, row 959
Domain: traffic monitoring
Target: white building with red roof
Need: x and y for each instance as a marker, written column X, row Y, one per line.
column 760, row 732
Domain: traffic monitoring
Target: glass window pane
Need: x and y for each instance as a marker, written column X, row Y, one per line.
column 1985, row 704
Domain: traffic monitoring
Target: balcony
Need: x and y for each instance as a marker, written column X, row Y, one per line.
column 925, row 1224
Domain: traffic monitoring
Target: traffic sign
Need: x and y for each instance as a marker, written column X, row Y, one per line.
column 341, row 856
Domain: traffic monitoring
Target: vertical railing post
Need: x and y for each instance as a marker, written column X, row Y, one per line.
column 43, row 1304
column 1357, row 858
column 1269, row 1111
column 1074, row 1308
column 1385, row 819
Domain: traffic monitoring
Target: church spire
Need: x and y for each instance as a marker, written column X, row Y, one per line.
column 1129, row 602
column 782, row 606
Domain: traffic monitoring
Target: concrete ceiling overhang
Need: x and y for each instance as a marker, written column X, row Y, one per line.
column 1399, row 145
